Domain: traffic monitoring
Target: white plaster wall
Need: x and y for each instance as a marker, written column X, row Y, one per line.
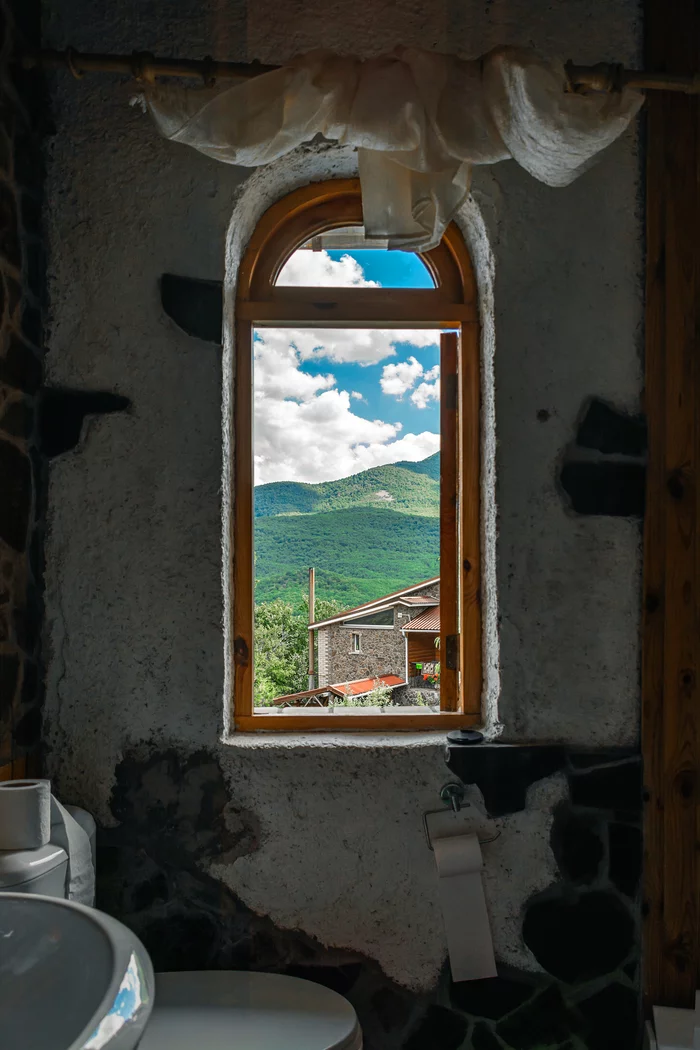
column 133, row 550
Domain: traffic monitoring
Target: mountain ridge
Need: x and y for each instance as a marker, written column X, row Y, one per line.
column 405, row 487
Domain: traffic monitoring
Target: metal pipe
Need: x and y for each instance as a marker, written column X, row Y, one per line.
column 142, row 65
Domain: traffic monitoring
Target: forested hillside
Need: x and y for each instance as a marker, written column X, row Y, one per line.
column 366, row 535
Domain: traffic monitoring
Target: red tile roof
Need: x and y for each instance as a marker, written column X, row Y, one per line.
column 366, row 685
column 427, row 621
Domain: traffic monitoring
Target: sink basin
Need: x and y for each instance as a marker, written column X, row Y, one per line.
column 71, row 978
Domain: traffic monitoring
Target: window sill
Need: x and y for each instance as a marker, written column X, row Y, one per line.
column 371, row 738
column 360, row 720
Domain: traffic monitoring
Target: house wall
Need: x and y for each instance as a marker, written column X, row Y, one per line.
column 382, row 651
column 195, row 831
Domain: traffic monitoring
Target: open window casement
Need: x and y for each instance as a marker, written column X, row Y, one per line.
column 449, row 306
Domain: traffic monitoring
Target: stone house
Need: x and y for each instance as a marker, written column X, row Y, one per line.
column 368, row 641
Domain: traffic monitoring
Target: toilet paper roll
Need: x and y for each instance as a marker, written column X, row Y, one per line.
column 80, row 872
column 25, row 814
column 469, row 943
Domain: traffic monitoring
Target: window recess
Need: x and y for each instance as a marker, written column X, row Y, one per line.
column 299, row 221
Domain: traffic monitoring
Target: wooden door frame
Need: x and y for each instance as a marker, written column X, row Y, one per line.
column 671, row 588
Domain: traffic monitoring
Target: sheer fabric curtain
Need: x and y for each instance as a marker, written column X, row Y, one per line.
column 420, row 122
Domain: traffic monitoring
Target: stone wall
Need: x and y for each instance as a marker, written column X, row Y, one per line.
column 23, row 124
column 381, row 652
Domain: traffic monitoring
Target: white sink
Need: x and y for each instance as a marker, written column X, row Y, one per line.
column 71, row 978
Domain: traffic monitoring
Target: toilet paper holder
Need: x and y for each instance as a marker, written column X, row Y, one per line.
column 452, row 794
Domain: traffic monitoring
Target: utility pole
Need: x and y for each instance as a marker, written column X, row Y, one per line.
column 312, row 617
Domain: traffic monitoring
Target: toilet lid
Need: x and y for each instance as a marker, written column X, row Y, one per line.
column 237, row 1010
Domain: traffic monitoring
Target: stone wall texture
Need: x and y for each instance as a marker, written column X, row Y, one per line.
column 23, row 124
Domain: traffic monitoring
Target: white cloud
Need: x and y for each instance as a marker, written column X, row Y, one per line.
column 361, row 346
column 356, row 395
column 305, row 429
column 400, row 378
column 424, row 393
column 397, row 379
column 318, row 270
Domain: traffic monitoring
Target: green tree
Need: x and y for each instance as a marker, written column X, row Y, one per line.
column 282, row 646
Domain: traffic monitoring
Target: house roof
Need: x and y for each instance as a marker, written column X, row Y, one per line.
column 427, row 621
column 367, row 607
column 416, row 599
column 365, row 685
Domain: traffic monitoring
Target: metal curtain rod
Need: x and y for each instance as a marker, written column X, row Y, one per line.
column 142, row 65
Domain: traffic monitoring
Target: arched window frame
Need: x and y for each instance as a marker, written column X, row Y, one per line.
column 451, row 305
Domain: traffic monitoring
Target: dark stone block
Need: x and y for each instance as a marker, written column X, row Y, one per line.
column 20, row 367
column 484, row 1039
column 577, row 939
column 194, row 305
column 606, row 488
column 391, row 1008
column 612, row 1019
column 62, row 412
column 577, row 845
column 493, row 998
column 502, row 772
column 9, row 236
column 27, row 731
column 593, row 758
column 609, row 787
column 18, row 419
column 625, row 857
column 439, row 1029
column 16, row 489
column 338, row 978
column 543, row 1022
column 608, row 430
column 9, row 673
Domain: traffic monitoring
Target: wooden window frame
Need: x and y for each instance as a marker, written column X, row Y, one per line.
column 451, row 304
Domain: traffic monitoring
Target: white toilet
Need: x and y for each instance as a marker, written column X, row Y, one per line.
column 203, row 1010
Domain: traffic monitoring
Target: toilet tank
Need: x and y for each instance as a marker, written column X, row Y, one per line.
column 41, row 870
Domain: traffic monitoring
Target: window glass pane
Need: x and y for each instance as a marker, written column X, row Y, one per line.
column 378, row 619
column 347, row 481
column 343, row 259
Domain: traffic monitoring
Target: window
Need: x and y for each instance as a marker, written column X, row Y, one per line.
column 385, row 618
column 435, row 293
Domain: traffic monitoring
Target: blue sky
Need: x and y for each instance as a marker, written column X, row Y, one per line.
column 329, row 403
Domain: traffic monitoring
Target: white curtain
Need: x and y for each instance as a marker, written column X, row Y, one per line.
column 419, row 120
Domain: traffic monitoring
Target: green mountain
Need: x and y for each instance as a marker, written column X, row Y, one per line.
column 367, row 534
column 359, row 553
column 409, row 488
column 429, row 466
